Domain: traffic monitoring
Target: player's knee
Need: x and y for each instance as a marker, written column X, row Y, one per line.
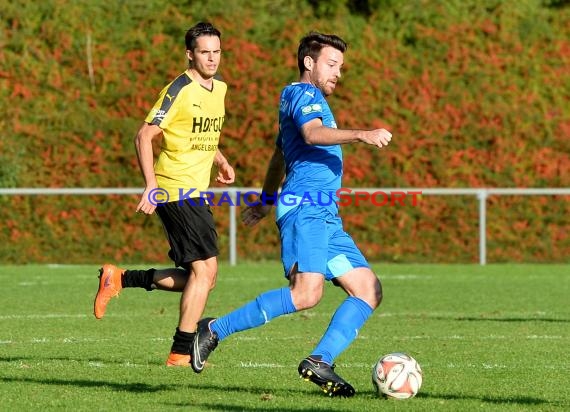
column 373, row 293
column 206, row 277
column 306, row 299
column 306, row 302
column 212, row 277
column 213, row 282
column 378, row 293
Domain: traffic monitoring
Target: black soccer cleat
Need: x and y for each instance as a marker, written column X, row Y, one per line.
column 204, row 344
column 324, row 376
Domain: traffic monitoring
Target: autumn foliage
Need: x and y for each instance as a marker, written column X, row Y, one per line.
column 476, row 94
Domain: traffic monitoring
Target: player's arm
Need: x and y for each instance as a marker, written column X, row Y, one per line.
column 275, row 173
column 273, row 178
column 315, row 133
column 226, row 173
column 143, row 145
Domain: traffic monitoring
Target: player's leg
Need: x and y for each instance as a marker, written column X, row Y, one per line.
column 307, row 291
column 257, row 312
column 364, row 293
column 266, row 306
column 347, row 268
column 295, row 237
column 304, row 292
column 175, row 219
column 342, row 330
column 193, row 245
column 112, row 280
column 170, row 280
column 192, row 302
column 202, row 279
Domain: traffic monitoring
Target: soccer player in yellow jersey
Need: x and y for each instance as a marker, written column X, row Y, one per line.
column 187, row 119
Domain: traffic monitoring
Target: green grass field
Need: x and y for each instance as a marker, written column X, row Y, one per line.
column 487, row 338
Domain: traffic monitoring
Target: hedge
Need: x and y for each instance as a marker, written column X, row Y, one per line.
column 475, row 93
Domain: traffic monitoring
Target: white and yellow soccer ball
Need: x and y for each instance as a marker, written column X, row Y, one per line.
column 397, row 375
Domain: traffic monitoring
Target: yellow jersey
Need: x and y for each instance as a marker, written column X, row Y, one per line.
column 191, row 118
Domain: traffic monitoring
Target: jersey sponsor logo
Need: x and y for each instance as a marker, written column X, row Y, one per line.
column 159, row 114
column 204, row 147
column 310, row 94
column 312, row 108
column 207, row 124
column 170, row 97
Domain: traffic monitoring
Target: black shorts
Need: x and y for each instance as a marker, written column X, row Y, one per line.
column 190, row 231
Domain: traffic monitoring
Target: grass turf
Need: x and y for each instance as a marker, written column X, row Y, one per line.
column 487, row 338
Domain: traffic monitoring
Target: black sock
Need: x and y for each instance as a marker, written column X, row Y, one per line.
column 138, row 279
column 182, row 342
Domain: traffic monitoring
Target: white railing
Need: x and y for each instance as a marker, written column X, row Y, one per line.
column 481, row 194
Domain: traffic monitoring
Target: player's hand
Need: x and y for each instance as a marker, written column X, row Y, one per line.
column 146, row 205
column 251, row 215
column 377, row 137
column 226, row 174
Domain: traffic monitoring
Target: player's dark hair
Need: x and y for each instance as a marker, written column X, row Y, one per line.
column 200, row 29
column 312, row 44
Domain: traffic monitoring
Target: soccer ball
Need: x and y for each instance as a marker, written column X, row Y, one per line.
column 397, row 375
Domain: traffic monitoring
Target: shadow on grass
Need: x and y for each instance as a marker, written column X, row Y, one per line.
column 488, row 319
column 520, row 401
column 512, row 400
column 267, row 407
column 141, row 387
column 78, row 360
column 497, row 319
column 136, row 387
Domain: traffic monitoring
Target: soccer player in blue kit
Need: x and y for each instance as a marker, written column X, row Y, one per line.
column 314, row 246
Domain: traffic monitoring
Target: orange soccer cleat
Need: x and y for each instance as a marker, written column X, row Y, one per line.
column 178, row 359
column 109, row 286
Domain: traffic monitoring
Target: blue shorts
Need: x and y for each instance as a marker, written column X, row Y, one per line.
column 313, row 237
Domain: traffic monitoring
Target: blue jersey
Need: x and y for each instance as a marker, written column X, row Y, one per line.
column 313, row 173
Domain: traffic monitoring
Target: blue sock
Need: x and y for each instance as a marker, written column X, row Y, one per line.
column 265, row 307
column 343, row 329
